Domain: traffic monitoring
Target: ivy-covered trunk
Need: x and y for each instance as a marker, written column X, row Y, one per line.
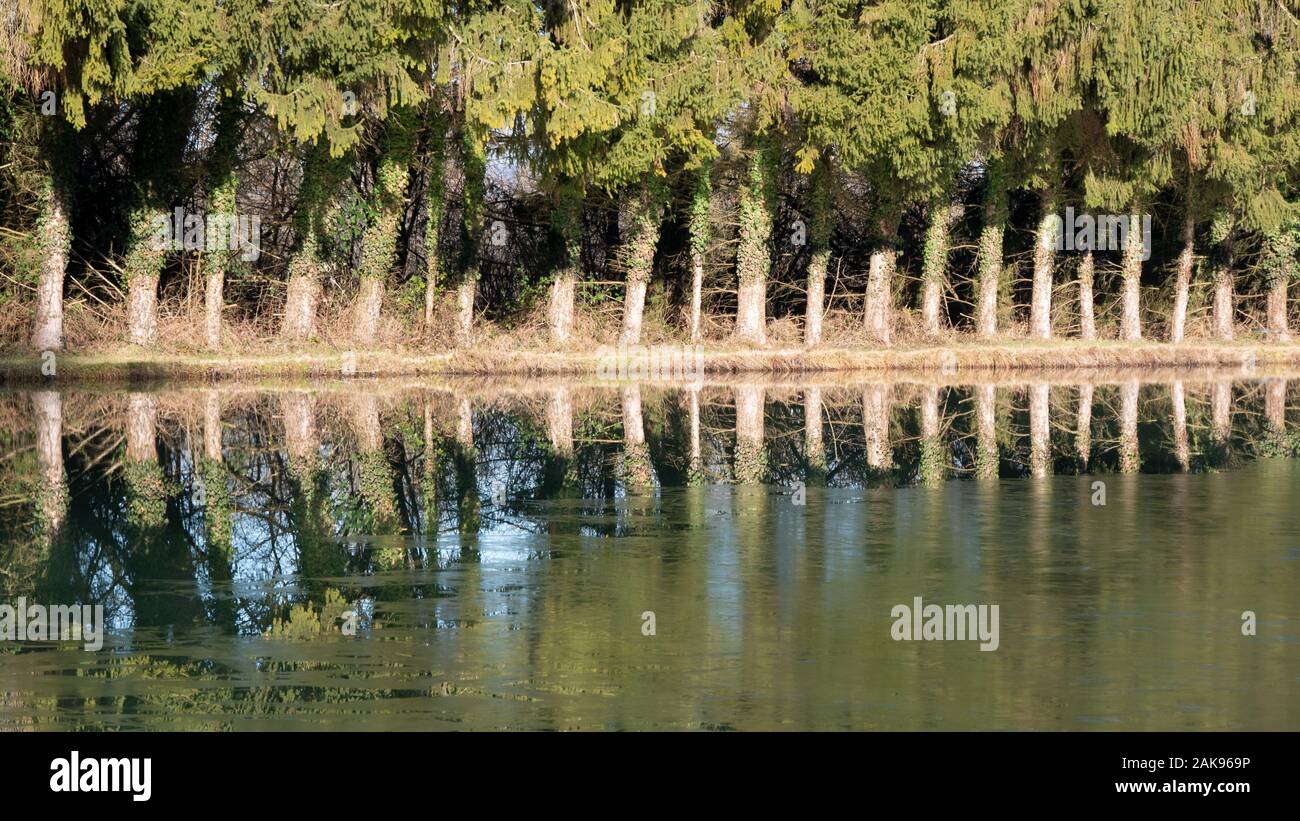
column 1040, row 307
column 54, row 232
column 144, row 263
column 1131, row 318
column 878, row 313
column 819, row 237
column 379, row 241
column 566, row 223
column 222, row 202
column 1183, row 279
column 752, row 258
column 299, row 323
column 701, row 232
column 641, row 238
column 1087, row 308
column 317, row 206
column 934, row 264
column 990, row 259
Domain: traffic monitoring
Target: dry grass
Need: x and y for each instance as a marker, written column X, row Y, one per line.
column 96, row 333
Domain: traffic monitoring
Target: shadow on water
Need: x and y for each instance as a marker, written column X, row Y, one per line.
column 378, row 555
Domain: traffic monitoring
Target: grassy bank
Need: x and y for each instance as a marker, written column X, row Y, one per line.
column 133, row 365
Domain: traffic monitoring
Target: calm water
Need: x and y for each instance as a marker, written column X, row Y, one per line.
column 376, row 555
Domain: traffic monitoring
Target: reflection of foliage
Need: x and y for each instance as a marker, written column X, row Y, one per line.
column 217, row 514
column 375, row 481
column 304, row 621
column 146, row 494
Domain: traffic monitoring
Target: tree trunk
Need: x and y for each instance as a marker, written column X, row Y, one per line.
column 880, row 274
column 465, row 293
column 370, row 300
column 812, row 329
column 1087, row 308
column 1224, row 311
column 1040, row 308
column 1278, row 329
column 990, row 278
column 697, row 295
column 749, row 434
column 299, row 324
column 1131, row 322
column 142, row 309
column 213, row 298
column 560, row 311
column 1183, row 280
column 55, row 239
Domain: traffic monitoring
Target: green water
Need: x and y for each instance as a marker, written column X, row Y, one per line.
column 408, row 557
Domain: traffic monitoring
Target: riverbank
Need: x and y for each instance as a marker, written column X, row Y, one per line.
column 662, row 362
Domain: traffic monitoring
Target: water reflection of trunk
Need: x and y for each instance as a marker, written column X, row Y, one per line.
column 1083, row 426
column 1130, row 460
column 986, row 441
column 814, row 448
column 318, row 554
column 429, row 475
column 1040, row 430
column 749, row 467
column 931, row 465
column 876, row 401
column 558, row 469
column 636, row 453
column 1275, row 410
column 49, row 453
column 466, row 462
column 695, row 468
column 1182, row 449
column 216, row 497
column 374, row 476
column 146, row 502
column 217, row 513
